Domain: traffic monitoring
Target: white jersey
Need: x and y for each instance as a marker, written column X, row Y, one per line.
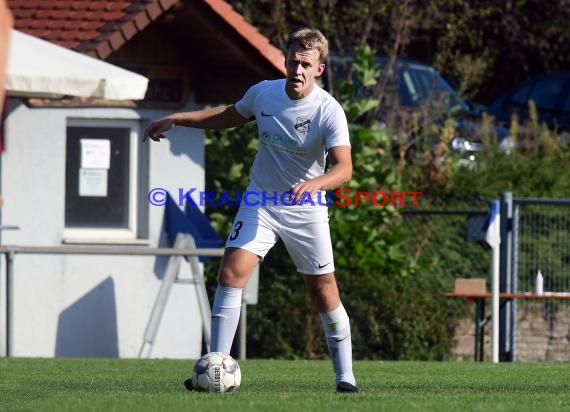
column 294, row 135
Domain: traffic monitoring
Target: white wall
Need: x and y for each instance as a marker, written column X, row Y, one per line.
column 83, row 305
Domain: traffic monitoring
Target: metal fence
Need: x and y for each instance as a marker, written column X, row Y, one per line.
column 540, row 242
column 11, row 252
column 444, row 234
column 537, row 237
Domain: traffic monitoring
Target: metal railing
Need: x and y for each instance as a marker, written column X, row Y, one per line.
column 10, row 253
column 540, row 331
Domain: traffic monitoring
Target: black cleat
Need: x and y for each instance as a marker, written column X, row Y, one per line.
column 345, row 387
column 188, row 384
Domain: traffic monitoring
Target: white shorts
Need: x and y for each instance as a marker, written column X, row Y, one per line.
column 303, row 229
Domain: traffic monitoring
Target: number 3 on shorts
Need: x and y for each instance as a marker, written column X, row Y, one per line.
column 237, row 228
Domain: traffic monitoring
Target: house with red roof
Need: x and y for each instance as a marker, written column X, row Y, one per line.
column 74, row 172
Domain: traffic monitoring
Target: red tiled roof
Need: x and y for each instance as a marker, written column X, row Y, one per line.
column 94, row 27
column 99, row 27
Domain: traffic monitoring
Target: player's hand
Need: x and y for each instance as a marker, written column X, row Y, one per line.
column 156, row 129
column 303, row 189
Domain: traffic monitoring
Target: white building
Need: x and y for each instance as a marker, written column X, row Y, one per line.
column 58, row 189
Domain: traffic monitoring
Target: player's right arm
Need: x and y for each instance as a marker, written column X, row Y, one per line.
column 221, row 117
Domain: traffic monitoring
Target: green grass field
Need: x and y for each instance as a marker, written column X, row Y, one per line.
column 94, row 384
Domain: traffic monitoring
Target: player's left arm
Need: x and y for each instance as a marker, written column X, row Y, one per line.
column 339, row 174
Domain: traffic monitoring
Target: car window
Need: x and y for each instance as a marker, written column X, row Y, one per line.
column 566, row 107
column 419, row 84
column 521, row 95
column 409, row 85
column 545, row 92
column 408, row 92
column 422, row 84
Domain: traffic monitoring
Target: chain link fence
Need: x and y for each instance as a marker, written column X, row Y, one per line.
column 541, row 240
column 443, row 233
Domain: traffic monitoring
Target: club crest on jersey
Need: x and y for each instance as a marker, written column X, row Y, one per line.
column 302, row 124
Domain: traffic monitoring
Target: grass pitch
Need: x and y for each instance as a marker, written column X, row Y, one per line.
column 94, row 384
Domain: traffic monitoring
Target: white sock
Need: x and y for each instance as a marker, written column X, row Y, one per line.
column 337, row 333
column 225, row 318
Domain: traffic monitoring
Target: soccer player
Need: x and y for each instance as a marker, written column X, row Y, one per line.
column 299, row 125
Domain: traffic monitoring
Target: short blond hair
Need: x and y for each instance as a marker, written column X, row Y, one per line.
column 310, row 39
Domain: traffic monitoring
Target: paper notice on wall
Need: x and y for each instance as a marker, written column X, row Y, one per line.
column 95, row 153
column 93, row 182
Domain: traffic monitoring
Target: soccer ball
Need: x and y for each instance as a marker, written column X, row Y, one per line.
column 216, row 372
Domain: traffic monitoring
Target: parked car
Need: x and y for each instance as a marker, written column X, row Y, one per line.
column 549, row 92
column 414, row 87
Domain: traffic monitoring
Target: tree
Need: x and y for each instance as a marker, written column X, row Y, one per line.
column 484, row 46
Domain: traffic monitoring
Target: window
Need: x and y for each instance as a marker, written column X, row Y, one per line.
column 566, row 108
column 520, row 97
column 545, row 92
column 102, row 182
column 421, row 84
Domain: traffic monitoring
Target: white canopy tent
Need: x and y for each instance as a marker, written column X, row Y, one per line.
column 37, row 68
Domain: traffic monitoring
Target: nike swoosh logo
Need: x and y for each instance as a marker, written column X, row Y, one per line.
column 340, row 339
column 322, row 266
column 265, row 114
